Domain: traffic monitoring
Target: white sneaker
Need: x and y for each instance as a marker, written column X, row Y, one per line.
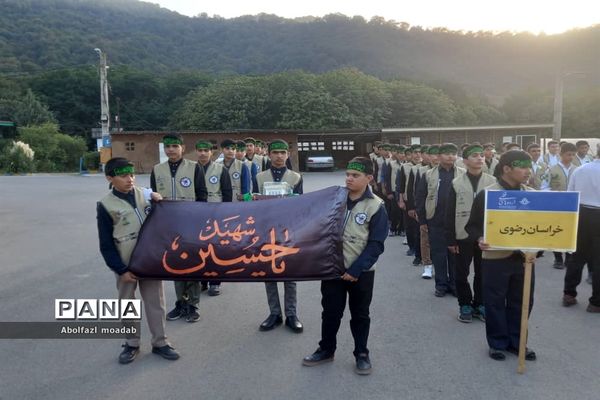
column 404, row 241
column 427, row 272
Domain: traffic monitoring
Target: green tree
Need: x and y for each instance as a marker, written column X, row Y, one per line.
column 54, row 151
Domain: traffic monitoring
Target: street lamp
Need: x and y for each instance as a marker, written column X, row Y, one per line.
column 558, row 102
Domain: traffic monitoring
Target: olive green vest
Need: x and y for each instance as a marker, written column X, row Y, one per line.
column 127, row 221
column 235, row 175
column 464, row 199
column 557, row 179
column 258, row 161
column 433, row 182
column 212, row 177
column 180, row 187
column 291, row 177
column 498, row 254
column 356, row 229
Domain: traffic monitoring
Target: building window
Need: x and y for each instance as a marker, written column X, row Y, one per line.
column 308, row 146
column 343, row 145
column 129, row 146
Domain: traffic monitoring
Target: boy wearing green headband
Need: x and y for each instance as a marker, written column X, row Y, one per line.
column 252, row 157
column 502, row 270
column 121, row 214
column 432, row 162
column 278, row 152
column 491, row 161
column 365, row 231
column 417, row 161
column 239, row 175
column 432, row 197
column 179, row 179
column 402, row 195
column 460, row 200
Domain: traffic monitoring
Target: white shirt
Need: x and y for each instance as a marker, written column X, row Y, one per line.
column 586, row 181
column 553, row 160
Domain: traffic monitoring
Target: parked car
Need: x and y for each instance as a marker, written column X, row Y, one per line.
column 319, row 160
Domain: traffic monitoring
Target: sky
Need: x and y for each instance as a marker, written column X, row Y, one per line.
column 536, row 16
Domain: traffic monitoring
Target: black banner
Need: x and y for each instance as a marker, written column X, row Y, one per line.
column 285, row 239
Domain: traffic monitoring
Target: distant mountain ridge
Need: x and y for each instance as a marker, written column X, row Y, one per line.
column 45, row 34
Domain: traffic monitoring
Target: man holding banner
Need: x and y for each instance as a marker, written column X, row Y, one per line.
column 502, row 270
column 278, row 172
column 365, row 230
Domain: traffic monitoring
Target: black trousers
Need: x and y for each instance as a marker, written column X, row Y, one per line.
column 395, row 217
column 468, row 252
column 503, row 298
column 359, row 295
column 588, row 251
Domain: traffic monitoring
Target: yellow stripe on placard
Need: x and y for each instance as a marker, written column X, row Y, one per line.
column 523, row 230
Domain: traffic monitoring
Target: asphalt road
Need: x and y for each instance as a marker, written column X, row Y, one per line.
column 419, row 350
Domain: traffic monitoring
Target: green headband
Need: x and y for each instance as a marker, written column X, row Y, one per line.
column 521, row 164
column 448, row 150
column 278, row 146
column 204, row 145
column 357, row 166
column 126, row 170
column 240, row 147
column 170, row 141
column 474, row 149
column 433, row 150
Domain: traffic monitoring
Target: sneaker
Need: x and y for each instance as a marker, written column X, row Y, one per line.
column 178, row 312
column 427, row 272
column 558, row 264
column 392, row 233
column 363, row 364
column 192, row 314
column 410, row 252
column 417, row 262
column 402, row 233
column 320, row 356
column 589, row 278
column 466, row 314
column 203, row 286
column 214, row 290
column 439, row 293
column 404, row 241
column 479, row 313
column 568, row 300
column 128, row 354
column 529, row 354
column 496, row 354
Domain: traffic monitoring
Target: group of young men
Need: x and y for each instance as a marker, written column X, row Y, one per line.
column 434, row 195
column 241, row 172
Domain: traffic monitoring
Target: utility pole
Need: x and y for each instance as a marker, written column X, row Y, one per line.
column 558, row 102
column 105, row 150
column 104, row 111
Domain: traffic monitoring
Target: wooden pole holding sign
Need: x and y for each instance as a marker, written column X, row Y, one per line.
column 529, row 258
